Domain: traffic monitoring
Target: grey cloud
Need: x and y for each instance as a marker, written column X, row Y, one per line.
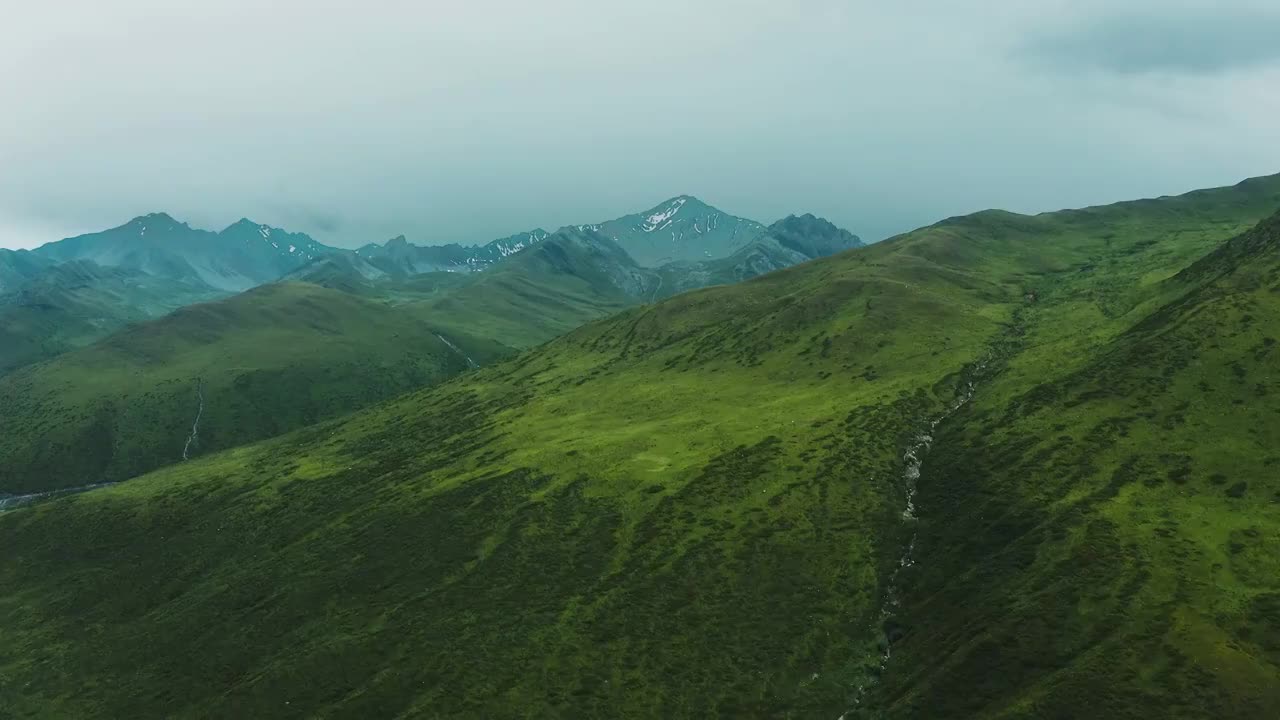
column 1171, row 39
column 468, row 121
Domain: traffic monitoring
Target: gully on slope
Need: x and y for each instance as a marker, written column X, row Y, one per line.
column 9, row 502
column 1002, row 347
column 470, row 363
column 195, row 426
column 913, row 460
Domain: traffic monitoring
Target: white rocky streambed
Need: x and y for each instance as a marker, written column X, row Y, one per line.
column 913, row 462
column 195, row 426
column 9, row 502
column 470, row 363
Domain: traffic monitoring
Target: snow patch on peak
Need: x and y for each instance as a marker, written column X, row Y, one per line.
column 662, row 218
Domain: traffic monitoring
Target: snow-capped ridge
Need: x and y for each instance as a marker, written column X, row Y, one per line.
column 662, row 218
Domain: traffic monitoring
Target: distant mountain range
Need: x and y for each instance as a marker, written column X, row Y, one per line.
column 65, row 306
column 678, row 245
column 398, row 257
column 99, row 309
column 682, row 229
column 244, row 255
column 247, row 254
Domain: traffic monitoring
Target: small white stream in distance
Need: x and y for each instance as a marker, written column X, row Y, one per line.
column 195, row 426
column 470, row 363
column 9, row 502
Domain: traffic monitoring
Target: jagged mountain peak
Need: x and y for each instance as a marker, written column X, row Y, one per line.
column 682, row 228
column 665, row 214
column 812, row 235
column 155, row 221
column 157, row 217
column 247, row 228
column 247, row 224
column 239, row 257
column 684, row 201
column 805, row 220
column 812, row 226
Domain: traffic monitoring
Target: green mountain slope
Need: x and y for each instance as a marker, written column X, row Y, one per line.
column 1107, row 540
column 17, row 267
column 571, row 277
column 70, row 305
column 343, row 271
column 552, row 530
column 702, row 507
column 790, row 241
column 265, row 362
column 558, row 284
column 525, row 299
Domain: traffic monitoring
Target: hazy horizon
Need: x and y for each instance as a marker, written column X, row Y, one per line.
column 466, row 124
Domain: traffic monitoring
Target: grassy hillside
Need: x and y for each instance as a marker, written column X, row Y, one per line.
column 790, row 241
column 17, row 267
column 546, row 290
column 1107, row 540
column 681, row 510
column 267, row 361
column 71, row 305
column 696, row 508
column 278, row 357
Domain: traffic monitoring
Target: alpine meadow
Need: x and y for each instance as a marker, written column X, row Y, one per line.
column 1009, row 465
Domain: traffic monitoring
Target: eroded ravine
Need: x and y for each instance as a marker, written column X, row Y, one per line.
column 1002, row 347
column 913, row 463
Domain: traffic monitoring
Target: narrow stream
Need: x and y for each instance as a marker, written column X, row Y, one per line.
column 10, row 502
column 195, row 426
column 913, row 460
column 470, row 363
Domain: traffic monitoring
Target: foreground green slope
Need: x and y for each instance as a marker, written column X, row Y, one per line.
column 696, row 508
column 1107, row 540
column 259, row 364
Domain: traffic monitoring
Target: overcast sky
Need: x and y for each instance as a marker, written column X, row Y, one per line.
column 473, row 119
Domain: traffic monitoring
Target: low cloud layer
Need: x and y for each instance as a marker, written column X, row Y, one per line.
column 468, row 121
